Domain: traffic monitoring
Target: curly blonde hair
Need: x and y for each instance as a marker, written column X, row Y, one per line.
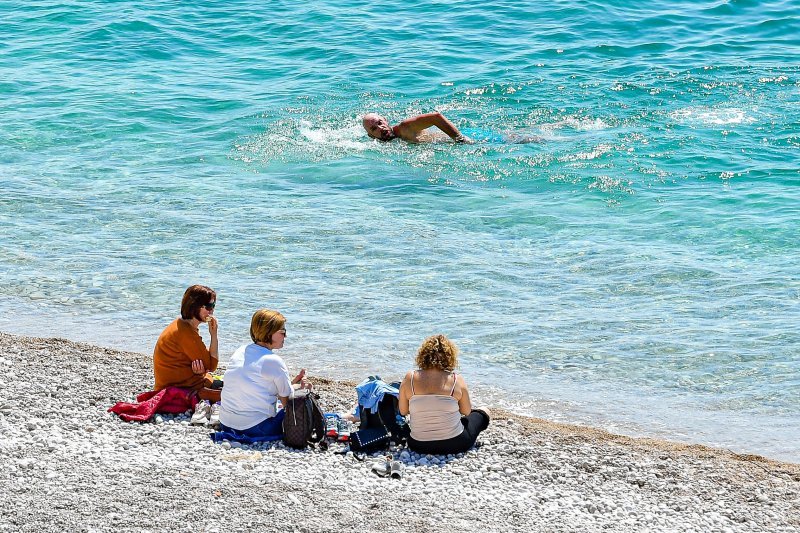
column 437, row 352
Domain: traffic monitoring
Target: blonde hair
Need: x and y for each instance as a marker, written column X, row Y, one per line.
column 437, row 352
column 264, row 323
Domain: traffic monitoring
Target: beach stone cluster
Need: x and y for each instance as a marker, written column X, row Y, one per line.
column 68, row 464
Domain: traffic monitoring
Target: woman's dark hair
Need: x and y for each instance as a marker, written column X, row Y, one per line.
column 194, row 298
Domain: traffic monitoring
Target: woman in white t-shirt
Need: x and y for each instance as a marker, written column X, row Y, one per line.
column 441, row 417
column 255, row 380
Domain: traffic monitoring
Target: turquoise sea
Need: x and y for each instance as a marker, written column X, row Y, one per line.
column 637, row 270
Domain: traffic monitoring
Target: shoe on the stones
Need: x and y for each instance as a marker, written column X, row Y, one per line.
column 343, row 429
column 201, row 413
column 331, row 427
column 396, row 470
column 213, row 420
column 382, row 466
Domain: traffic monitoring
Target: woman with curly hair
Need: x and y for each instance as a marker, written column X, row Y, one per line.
column 442, row 420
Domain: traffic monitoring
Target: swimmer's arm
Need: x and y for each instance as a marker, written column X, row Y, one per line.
column 414, row 125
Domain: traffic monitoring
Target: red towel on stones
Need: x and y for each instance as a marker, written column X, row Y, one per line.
column 172, row 400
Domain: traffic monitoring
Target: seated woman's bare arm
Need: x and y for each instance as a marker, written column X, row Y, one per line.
column 464, row 403
column 405, row 395
column 284, row 400
column 213, row 347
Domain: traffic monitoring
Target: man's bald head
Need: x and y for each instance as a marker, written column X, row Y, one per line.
column 377, row 127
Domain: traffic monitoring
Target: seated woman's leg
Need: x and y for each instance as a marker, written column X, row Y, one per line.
column 474, row 423
column 440, row 447
column 212, row 395
column 269, row 429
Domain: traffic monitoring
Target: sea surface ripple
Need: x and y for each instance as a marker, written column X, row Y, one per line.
column 636, row 270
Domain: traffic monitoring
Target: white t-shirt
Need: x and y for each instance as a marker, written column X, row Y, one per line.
column 253, row 381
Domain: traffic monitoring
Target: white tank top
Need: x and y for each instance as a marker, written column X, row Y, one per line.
column 434, row 416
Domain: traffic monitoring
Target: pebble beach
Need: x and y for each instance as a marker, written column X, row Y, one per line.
column 68, row 464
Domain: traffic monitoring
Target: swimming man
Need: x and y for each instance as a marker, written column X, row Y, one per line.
column 414, row 130
column 411, row 129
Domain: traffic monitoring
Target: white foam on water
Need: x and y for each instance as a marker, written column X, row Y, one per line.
column 712, row 117
column 598, row 151
column 351, row 138
column 577, row 124
column 303, row 140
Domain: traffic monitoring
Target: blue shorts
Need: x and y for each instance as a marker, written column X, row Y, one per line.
column 479, row 135
column 268, row 430
column 484, row 136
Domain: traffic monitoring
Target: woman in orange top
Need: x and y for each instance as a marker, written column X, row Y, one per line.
column 180, row 358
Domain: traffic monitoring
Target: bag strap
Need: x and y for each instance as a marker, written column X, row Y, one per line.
column 309, row 419
column 289, row 408
column 380, row 417
column 311, row 406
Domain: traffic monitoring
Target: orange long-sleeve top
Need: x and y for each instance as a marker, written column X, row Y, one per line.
column 177, row 346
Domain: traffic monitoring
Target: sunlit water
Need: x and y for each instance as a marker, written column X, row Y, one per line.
column 637, row 270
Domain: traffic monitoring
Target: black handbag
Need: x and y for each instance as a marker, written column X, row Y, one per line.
column 370, row 440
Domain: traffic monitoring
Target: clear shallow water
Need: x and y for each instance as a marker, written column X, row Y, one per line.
column 637, row 270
